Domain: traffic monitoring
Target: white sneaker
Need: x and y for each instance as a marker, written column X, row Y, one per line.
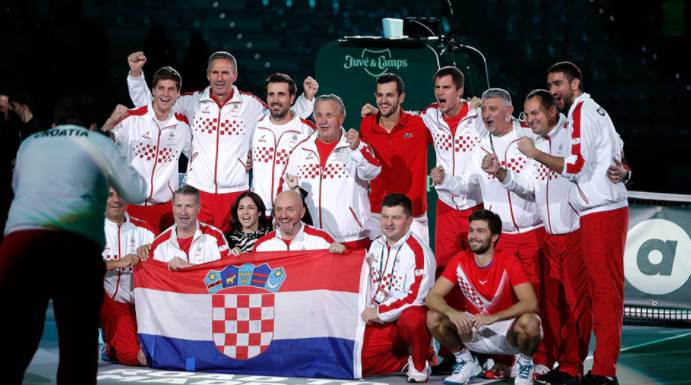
column 525, row 372
column 540, row 369
column 462, row 371
column 416, row 376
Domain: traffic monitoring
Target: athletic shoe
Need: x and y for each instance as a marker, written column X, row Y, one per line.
column 540, row 369
column 416, row 376
column 463, row 371
column 445, row 367
column 591, row 379
column 556, row 377
column 525, row 372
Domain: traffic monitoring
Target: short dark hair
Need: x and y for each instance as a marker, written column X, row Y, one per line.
column 389, row 77
column 74, row 109
column 493, row 220
column 398, row 199
column 168, row 73
column 261, row 208
column 455, row 73
column 225, row 55
column 546, row 99
column 187, row 190
column 570, row 70
column 279, row 77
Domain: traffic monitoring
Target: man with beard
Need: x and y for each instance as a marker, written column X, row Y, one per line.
column 399, row 140
column 188, row 242
column 153, row 137
column 566, row 302
column 601, row 203
column 292, row 233
column 275, row 137
column 223, row 120
column 499, row 305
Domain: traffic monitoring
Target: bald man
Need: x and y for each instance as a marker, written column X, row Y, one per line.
column 293, row 234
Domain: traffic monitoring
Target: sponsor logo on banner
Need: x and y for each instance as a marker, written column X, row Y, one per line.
column 374, row 62
column 656, row 256
column 242, row 308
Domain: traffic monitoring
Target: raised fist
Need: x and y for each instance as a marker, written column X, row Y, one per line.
column 136, row 61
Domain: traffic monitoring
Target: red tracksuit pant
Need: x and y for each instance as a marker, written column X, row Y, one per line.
column 385, row 346
column 215, row 210
column 450, row 232
column 159, row 217
column 566, row 302
column 603, row 240
column 119, row 323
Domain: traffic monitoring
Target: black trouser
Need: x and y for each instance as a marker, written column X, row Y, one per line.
column 39, row 265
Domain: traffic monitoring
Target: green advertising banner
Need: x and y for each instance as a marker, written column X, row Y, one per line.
column 657, row 258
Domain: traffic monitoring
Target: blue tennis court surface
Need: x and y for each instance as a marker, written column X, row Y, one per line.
column 650, row 355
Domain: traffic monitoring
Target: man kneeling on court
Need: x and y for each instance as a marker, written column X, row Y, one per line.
column 499, row 305
column 401, row 274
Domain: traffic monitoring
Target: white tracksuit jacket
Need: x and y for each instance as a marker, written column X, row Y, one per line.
column 400, row 276
column 518, row 215
column 271, row 148
column 549, row 189
column 337, row 199
column 594, row 145
column 122, row 240
column 453, row 151
column 154, row 150
column 208, row 244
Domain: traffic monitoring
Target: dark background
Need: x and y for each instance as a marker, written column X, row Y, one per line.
column 635, row 55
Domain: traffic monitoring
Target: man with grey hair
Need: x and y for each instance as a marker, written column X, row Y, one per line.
column 335, row 168
column 223, row 120
column 522, row 229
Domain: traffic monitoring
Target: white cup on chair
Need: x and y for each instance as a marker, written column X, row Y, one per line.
column 393, row 28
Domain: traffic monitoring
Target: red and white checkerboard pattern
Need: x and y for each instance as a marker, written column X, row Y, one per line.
column 309, row 171
column 282, row 156
column 463, row 143
column 263, row 154
column 469, row 292
column 335, row 170
column 226, row 127
column 544, row 173
column 148, row 151
column 242, row 324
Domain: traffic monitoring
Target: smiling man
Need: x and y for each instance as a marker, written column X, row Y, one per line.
column 399, row 141
column 153, row 137
column 275, row 137
column 188, row 242
column 401, row 273
column 293, row 234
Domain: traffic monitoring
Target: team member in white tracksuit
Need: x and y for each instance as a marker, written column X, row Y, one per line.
column 275, row 137
column 223, row 120
column 188, row 242
column 153, row 137
column 335, row 169
column 124, row 235
column 401, row 272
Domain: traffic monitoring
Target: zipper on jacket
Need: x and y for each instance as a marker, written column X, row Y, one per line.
column 218, row 138
column 153, row 170
column 117, row 283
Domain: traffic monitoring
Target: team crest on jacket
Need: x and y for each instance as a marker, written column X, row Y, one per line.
column 242, row 308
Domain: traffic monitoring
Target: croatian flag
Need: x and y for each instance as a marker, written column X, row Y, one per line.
column 293, row 314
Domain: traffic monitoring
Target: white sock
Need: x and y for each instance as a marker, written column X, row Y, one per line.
column 525, row 359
